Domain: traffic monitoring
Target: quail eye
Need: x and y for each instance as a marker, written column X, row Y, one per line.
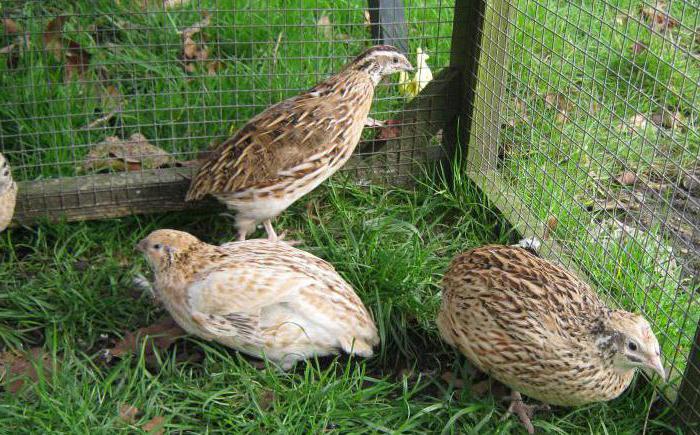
column 632, row 346
column 6, row 173
column 395, row 60
column 156, row 246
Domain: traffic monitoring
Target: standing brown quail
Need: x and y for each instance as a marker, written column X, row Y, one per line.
column 8, row 194
column 289, row 149
column 542, row 331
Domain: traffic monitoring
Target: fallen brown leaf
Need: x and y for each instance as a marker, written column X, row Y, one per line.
column 325, row 27
column 638, row 47
column 635, row 124
column 155, row 425
column 266, row 399
column 519, row 113
column 452, row 378
column 53, row 36
column 559, row 102
column 551, row 226
column 133, row 154
column 390, row 130
column 159, row 335
column 626, row 178
column 367, row 18
column 169, row 4
column 10, row 26
column 128, row 413
column 21, row 367
column 658, row 17
column 77, row 61
column 667, row 119
column 194, row 52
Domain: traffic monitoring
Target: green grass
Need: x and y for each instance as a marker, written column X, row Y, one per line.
column 68, row 286
column 583, row 52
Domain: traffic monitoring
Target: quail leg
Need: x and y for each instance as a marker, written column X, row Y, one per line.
column 523, row 411
column 273, row 237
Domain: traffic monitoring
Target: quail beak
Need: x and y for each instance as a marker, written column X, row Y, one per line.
column 140, row 246
column 655, row 364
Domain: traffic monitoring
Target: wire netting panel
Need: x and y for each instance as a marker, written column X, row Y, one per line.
column 586, row 115
column 181, row 76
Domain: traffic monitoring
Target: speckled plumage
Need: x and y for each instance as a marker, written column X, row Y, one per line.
column 8, row 194
column 289, row 149
column 260, row 297
column 539, row 329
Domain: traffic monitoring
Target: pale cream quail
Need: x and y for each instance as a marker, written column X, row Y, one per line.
column 289, row 149
column 539, row 329
column 260, row 297
column 8, row 194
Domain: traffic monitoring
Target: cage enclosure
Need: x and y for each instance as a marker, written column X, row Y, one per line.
column 578, row 120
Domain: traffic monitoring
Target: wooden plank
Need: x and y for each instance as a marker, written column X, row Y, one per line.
column 464, row 55
column 105, row 196
column 388, row 23
column 687, row 405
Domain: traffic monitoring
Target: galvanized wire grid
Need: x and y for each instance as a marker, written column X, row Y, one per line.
column 597, row 137
column 55, row 110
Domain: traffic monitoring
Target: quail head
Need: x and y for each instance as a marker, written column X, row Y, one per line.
column 289, row 149
column 542, row 331
column 262, row 298
column 8, row 193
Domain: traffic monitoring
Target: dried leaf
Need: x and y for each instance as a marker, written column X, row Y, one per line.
column 658, row 18
column 128, row 413
column 559, row 101
column 77, row 61
column 266, row 399
column 667, row 119
column 155, row 425
column 390, row 130
column 519, row 113
column 636, row 124
column 626, row 178
column 126, row 155
column 325, row 27
column 161, row 335
column 367, row 18
column 170, row 4
column 213, row 67
column 552, row 223
column 10, row 26
column 638, row 47
column 621, row 19
column 193, row 51
column 53, row 37
column 20, row 367
column 452, row 378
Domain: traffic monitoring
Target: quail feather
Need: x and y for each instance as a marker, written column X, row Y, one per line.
column 541, row 330
column 290, row 148
column 8, row 193
column 262, row 298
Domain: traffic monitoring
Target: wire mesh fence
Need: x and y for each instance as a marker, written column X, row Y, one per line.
column 584, row 132
column 580, row 118
column 128, row 87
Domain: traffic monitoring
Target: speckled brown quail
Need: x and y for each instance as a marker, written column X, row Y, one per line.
column 539, row 329
column 8, row 194
column 289, row 149
column 260, row 297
